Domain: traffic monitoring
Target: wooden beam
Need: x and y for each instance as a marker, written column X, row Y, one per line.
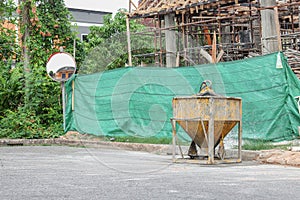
column 220, row 55
column 214, row 48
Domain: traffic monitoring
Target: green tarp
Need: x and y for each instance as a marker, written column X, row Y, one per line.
column 137, row 101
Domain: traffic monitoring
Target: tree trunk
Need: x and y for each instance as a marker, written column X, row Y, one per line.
column 25, row 48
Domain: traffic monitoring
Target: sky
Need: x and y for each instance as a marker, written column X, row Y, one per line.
column 99, row 5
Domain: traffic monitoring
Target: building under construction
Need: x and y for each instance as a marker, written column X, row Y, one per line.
column 191, row 32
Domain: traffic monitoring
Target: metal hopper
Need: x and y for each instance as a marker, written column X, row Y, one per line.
column 207, row 120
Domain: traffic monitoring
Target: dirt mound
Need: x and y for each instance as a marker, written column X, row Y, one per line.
column 73, row 135
column 291, row 158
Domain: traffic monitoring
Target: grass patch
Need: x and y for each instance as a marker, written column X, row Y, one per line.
column 257, row 145
column 148, row 140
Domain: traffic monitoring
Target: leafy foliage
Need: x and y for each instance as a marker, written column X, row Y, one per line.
column 30, row 101
column 113, row 25
column 49, row 28
column 26, row 124
column 107, row 45
column 11, row 93
column 8, row 36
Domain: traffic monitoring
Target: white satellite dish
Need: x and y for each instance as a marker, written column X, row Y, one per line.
column 61, row 66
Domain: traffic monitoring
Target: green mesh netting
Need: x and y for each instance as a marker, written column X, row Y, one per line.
column 137, row 101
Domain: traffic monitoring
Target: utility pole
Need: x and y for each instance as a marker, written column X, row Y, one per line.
column 25, row 49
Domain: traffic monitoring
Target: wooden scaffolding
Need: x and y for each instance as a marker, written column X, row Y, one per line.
column 190, row 32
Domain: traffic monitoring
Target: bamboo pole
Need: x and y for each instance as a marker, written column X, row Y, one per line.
column 128, row 42
column 214, row 48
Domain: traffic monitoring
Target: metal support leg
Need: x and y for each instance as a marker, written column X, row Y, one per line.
column 211, row 125
column 240, row 141
column 240, row 135
column 173, row 122
column 181, row 153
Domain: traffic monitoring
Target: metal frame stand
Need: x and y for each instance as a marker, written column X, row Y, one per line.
column 211, row 148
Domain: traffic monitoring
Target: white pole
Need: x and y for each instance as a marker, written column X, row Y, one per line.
column 63, row 103
column 61, row 49
column 128, row 41
column 74, row 48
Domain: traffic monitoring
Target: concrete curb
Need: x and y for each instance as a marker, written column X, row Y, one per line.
column 151, row 148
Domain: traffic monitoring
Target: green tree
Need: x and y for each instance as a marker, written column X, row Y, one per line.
column 10, row 80
column 107, row 45
column 8, row 36
column 37, row 113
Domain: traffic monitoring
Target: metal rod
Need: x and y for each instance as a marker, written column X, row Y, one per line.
column 240, row 135
column 63, row 103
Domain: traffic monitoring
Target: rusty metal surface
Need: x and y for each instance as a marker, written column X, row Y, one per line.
column 194, row 107
column 194, row 112
column 195, row 131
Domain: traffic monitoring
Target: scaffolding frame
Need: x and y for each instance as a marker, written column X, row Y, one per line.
column 237, row 24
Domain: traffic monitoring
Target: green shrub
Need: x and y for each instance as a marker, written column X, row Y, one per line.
column 24, row 124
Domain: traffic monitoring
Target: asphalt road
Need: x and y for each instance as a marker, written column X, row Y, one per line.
column 57, row 172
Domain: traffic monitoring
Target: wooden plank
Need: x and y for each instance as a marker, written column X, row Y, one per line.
column 220, row 55
column 214, row 48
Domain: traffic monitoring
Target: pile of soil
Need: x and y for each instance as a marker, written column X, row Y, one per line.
column 73, row 135
column 280, row 157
